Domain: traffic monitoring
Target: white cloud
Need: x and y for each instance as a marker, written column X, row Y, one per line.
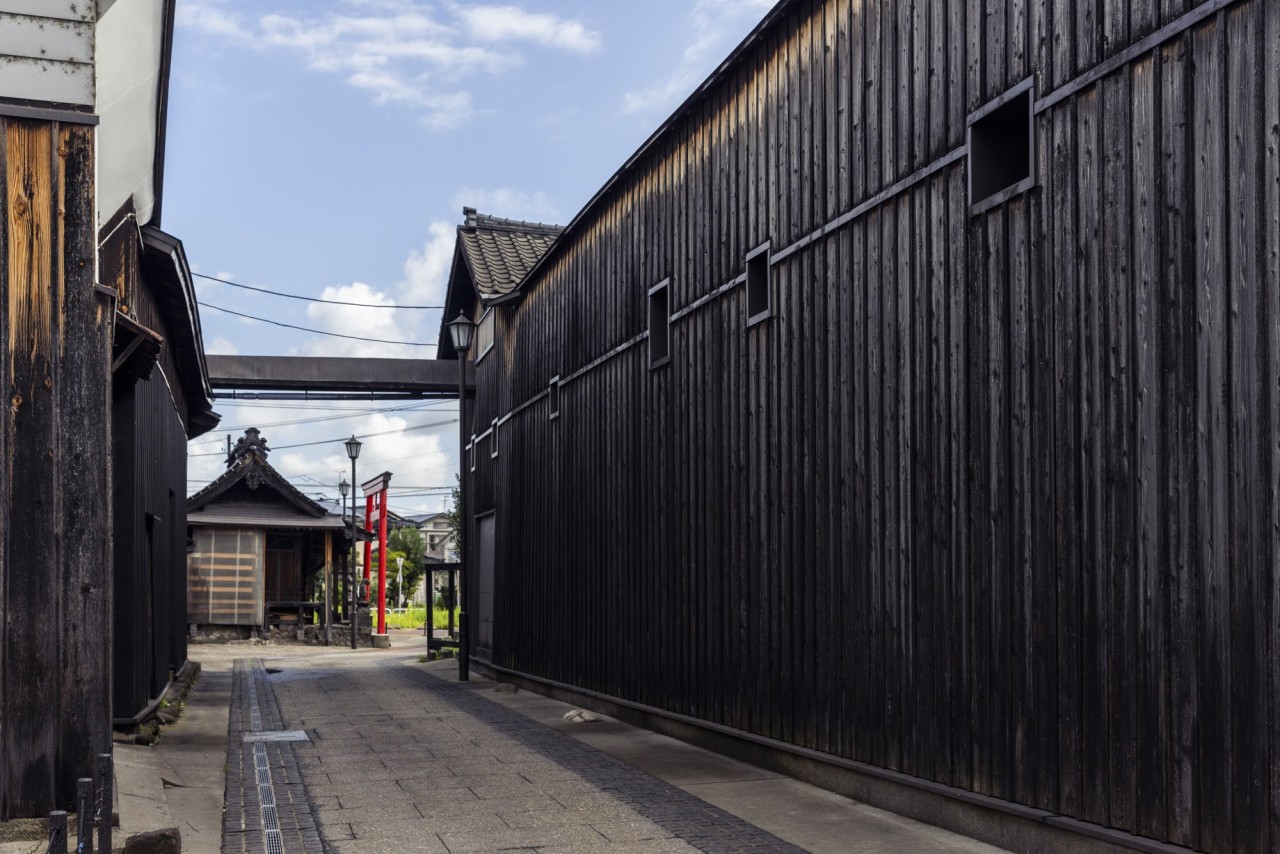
column 511, row 23
column 711, row 24
column 426, row 271
column 509, row 203
column 360, row 322
column 220, row 346
column 405, row 53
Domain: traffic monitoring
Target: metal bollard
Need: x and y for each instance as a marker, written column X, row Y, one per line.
column 106, row 779
column 58, row 832
column 84, row 816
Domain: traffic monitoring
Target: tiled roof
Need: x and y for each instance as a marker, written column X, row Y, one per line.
column 248, row 463
column 499, row 252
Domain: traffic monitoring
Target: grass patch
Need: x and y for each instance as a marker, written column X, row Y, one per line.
column 412, row 619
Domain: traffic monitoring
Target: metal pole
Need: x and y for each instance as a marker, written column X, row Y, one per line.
column 106, row 778
column 464, row 653
column 84, row 816
column 353, row 554
column 328, row 589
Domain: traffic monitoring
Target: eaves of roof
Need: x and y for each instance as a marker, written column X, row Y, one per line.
column 494, row 255
column 270, row 477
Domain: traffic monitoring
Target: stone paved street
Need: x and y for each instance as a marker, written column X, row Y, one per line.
column 330, row 750
column 402, row 760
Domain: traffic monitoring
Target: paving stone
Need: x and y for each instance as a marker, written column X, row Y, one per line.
column 403, row 761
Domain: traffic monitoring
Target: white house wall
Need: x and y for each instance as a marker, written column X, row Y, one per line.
column 46, row 51
column 130, row 40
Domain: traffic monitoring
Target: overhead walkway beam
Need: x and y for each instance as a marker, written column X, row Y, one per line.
column 328, row 378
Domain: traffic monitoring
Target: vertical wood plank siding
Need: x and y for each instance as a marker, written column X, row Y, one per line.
column 54, row 470
column 990, row 500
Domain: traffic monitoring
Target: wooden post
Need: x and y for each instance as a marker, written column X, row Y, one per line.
column 106, row 780
column 58, row 832
column 328, row 588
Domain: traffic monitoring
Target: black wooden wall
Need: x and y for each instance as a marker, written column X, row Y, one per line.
column 55, row 587
column 990, row 500
column 149, row 460
column 150, row 465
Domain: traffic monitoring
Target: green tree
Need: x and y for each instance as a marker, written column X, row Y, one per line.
column 455, row 529
column 406, row 543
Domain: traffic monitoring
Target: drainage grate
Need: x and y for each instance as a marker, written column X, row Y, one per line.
column 273, row 841
column 277, row 735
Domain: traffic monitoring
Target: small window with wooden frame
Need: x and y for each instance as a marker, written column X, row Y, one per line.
column 493, row 439
column 553, row 398
column 659, row 324
column 1002, row 148
column 759, row 285
column 484, row 335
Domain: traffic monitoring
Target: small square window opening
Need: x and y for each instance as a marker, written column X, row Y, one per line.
column 1001, row 154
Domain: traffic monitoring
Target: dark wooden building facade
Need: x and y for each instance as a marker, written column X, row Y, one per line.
column 911, row 399
column 103, row 382
column 160, row 400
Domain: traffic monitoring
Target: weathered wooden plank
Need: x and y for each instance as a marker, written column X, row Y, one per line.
column 1093, row 614
column 1270, row 112
column 963, row 652
column 995, row 44
column 1151, row 623
column 978, row 520
column 996, row 512
column 32, row 707
column 1042, row 628
column 1117, row 394
column 1022, row 711
column 937, row 73
column 877, row 698
column 1177, row 394
column 1247, row 508
column 1214, row 615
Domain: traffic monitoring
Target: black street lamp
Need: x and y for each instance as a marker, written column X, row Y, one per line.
column 460, row 331
column 343, row 488
column 353, row 451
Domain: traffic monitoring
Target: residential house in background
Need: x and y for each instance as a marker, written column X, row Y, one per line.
column 905, row 411
column 437, row 538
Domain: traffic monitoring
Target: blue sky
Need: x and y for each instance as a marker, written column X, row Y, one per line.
column 325, row 148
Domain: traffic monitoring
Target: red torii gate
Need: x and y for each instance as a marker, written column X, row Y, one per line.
column 375, row 504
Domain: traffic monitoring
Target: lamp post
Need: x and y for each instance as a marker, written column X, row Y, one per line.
column 343, row 488
column 460, row 331
column 353, row 451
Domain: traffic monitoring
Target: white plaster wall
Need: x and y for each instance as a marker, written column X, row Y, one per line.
column 46, row 50
column 130, row 36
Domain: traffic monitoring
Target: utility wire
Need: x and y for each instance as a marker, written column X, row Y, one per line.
column 317, row 419
column 315, row 331
column 341, row 439
column 313, row 299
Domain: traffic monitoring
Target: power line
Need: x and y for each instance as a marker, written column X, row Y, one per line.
column 317, row 419
column 315, row 331
column 313, row 299
column 343, row 439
